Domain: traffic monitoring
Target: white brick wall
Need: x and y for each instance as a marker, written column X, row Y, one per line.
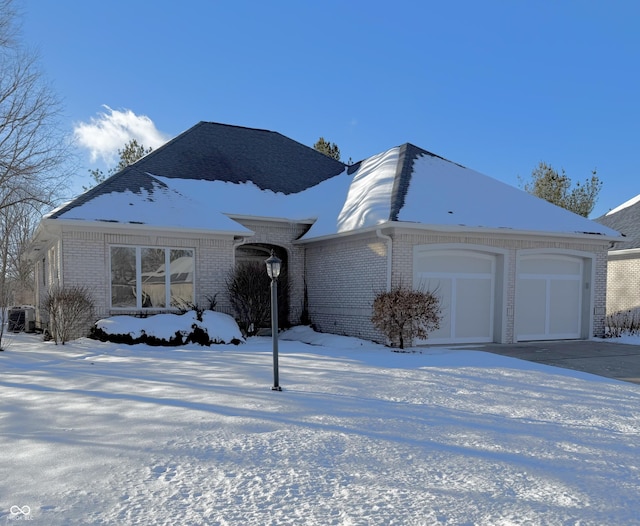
column 84, row 260
column 341, row 294
column 343, row 274
column 343, row 277
column 623, row 282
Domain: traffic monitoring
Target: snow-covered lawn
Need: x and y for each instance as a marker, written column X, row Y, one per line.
column 99, row 433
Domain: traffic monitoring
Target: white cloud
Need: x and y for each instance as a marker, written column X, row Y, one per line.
column 107, row 133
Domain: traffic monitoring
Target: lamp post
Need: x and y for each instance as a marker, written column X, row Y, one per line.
column 273, row 270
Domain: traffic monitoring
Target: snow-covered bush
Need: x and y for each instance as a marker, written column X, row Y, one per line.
column 212, row 303
column 202, row 328
column 403, row 314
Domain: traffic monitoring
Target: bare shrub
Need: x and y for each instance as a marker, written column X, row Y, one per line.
column 212, row 303
column 623, row 322
column 70, row 312
column 249, row 289
column 403, row 314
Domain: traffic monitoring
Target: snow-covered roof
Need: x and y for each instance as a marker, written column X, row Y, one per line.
column 626, row 220
column 402, row 184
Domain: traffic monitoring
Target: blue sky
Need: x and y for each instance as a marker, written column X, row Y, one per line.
column 497, row 86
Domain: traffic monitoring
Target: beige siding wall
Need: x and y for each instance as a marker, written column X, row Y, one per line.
column 623, row 282
column 343, row 277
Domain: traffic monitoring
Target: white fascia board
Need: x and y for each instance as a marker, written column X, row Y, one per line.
column 269, row 219
column 624, row 253
column 467, row 229
column 359, row 231
column 112, row 226
column 508, row 231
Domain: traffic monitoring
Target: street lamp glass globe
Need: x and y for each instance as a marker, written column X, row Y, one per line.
column 273, row 266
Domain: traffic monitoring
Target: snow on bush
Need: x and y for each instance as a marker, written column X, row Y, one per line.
column 170, row 329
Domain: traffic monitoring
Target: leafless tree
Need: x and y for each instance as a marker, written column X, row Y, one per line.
column 33, row 149
column 8, row 28
column 17, row 223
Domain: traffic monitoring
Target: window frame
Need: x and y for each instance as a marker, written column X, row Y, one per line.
column 139, row 292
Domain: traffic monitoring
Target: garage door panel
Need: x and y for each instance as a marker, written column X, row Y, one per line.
column 547, row 266
column 549, row 298
column 442, row 288
column 473, row 315
column 465, row 283
column 565, row 308
column 531, row 307
column 454, row 264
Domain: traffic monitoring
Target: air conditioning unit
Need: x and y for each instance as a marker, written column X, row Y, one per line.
column 22, row 319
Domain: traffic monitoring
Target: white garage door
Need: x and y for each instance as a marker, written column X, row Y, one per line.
column 464, row 281
column 549, row 298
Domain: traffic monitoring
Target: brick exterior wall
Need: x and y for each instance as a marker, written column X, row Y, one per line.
column 83, row 259
column 343, row 277
column 341, row 293
column 623, row 282
column 600, row 289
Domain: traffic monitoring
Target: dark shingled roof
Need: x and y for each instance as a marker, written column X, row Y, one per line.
column 221, row 152
column 627, row 222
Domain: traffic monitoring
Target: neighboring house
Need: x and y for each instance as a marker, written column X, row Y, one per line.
column 507, row 266
column 623, row 279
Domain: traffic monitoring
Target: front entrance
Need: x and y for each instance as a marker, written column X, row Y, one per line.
column 255, row 284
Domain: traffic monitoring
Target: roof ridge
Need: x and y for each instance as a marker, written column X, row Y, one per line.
column 234, row 126
column 402, row 179
column 427, row 152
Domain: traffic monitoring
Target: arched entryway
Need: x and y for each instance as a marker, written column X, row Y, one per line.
column 252, row 257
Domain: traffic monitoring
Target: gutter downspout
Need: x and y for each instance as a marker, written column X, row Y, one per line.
column 389, row 241
column 236, row 243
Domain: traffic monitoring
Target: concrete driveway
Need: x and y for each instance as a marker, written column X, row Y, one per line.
column 604, row 358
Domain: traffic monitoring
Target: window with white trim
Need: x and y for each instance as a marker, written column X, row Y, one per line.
column 139, row 277
column 53, row 268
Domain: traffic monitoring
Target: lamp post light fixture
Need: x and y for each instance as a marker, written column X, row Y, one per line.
column 273, row 270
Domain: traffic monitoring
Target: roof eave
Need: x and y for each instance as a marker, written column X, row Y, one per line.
column 245, row 217
column 625, row 252
column 474, row 229
column 117, row 225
